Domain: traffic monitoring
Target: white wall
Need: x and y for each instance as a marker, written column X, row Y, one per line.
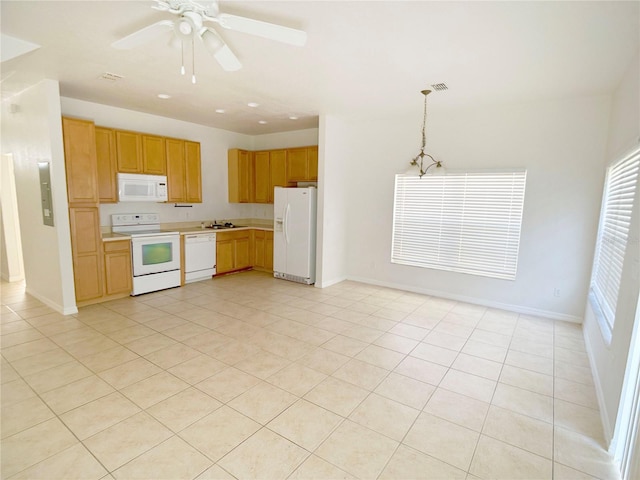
column 31, row 134
column 11, row 264
column 296, row 138
column 608, row 361
column 560, row 143
column 333, row 215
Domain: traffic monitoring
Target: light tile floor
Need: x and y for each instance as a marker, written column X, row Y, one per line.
column 246, row 376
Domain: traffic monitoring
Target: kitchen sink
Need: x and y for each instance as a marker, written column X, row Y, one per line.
column 218, row 226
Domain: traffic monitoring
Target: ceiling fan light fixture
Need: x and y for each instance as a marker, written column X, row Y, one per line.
column 185, row 28
column 212, row 42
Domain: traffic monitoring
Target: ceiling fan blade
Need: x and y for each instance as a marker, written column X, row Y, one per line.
column 142, row 36
column 263, row 29
column 227, row 59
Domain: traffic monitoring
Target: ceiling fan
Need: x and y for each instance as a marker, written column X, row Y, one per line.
column 190, row 23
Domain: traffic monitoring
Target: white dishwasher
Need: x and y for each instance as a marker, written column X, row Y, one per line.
column 199, row 256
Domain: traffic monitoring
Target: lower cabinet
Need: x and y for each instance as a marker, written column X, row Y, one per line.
column 263, row 250
column 86, row 248
column 233, row 251
column 117, row 268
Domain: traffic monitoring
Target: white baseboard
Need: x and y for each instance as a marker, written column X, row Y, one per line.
column 49, row 303
column 477, row 301
column 12, row 278
column 328, row 283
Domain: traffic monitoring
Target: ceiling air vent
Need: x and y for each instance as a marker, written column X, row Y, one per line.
column 439, row 86
column 112, row 77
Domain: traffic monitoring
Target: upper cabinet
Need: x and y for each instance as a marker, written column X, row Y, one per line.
column 253, row 175
column 132, row 152
column 80, row 161
column 107, row 165
column 302, row 164
column 240, row 171
column 129, row 151
column 193, row 174
column 183, row 171
column 278, row 170
column 140, row 153
column 154, row 159
column 262, row 177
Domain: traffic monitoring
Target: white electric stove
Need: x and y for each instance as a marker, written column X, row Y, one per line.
column 155, row 253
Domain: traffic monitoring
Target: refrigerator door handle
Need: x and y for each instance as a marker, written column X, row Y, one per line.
column 286, row 223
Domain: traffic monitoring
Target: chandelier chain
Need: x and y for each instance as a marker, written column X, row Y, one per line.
column 424, row 125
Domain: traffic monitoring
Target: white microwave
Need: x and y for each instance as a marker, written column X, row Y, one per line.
column 134, row 187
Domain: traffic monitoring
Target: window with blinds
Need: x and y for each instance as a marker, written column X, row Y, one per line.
column 613, row 233
column 461, row 222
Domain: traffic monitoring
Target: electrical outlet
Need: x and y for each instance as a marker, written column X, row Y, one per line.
column 556, row 292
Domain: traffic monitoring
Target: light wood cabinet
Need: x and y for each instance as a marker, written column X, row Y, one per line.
column 302, row 164
column 263, row 250
column 278, row 173
column 80, row 161
column 86, row 246
column 117, row 268
column 193, row 174
column 297, row 165
column 84, row 219
column 129, row 152
column 312, row 158
column 183, row 171
column 254, row 175
column 175, row 170
column 240, row 176
column 262, row 177
column 107, row 167
column 154, row 160
column 233, row 251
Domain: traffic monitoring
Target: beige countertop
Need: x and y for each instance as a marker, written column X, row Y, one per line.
column 110, row 237
column 187, row 229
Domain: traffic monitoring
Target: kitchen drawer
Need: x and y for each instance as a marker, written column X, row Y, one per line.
column 238, row 234
column 116, row 246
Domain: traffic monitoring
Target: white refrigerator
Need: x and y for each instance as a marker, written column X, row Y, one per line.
column 294, row 234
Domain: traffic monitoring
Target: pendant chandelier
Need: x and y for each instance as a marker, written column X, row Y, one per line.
column 424, row 164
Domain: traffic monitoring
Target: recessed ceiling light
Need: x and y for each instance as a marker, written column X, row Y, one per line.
column 253, row 104
column 262, row 122
column 220, row 110
column 293, row 117
column 163, row 96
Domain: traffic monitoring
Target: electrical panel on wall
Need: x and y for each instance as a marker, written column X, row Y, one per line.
column 45, row 193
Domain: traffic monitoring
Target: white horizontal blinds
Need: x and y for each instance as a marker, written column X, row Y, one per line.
column 613, row 232
column 462, row 222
